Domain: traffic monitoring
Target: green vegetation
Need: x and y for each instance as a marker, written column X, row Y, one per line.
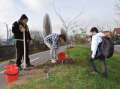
column 73, row 76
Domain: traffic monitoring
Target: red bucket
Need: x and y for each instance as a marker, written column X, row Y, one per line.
column 61, row 56
column 11, row 73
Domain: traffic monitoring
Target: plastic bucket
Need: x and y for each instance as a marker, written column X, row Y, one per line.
column 61, row 56
column 11, row 73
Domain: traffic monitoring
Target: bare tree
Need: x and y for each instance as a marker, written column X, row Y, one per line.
column 116, row 22
column 68, row 25
column 118, row 7
column 47, row 25
column 36, row 35
column 37, row 39
column 109, row 27
column 117, row 12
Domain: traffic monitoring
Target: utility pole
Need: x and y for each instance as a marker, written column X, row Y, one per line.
column 7, row 31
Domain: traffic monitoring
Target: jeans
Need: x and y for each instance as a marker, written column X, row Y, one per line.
column 53, row 51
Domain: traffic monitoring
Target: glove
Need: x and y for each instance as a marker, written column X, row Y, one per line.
column 92, row 56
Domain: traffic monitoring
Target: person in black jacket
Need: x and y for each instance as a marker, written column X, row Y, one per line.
column 18, row 28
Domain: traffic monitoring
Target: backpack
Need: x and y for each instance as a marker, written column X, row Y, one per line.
column 106, row 48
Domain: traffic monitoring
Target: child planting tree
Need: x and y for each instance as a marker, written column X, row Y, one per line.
column 53, row 41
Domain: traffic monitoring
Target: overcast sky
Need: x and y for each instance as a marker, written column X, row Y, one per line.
column 92, row 12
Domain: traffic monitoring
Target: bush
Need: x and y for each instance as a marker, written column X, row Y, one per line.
column 81, row 41
column 116, row 40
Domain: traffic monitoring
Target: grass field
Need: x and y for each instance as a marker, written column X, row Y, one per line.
column 72, row 76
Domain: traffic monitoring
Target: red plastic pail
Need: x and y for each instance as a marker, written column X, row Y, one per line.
column 61, row 56
column 11, row 73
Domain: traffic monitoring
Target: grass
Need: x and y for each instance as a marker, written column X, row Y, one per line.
column 72, row 76
column 1, row 65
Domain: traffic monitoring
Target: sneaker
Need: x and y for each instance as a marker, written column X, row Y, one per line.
column 53, row 61
column 20, row 68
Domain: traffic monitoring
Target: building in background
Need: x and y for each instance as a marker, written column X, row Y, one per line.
column 116, row 31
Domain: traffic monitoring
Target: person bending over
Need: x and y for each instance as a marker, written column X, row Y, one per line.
column 53, row 41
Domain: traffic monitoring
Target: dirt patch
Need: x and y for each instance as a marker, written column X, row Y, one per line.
column 66, row 61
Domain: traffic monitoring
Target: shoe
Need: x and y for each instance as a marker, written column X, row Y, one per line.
column 30, row 65
column 20, row 68
column 53, row 61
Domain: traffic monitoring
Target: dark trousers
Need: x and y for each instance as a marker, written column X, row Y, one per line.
column 20, row 52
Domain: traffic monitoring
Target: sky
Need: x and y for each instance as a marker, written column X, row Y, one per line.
column 90, row 12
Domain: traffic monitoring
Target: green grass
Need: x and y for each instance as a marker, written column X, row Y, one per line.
column 75, row 76
column 2, row 63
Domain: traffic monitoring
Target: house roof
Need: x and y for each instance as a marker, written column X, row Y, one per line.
column 117, row 30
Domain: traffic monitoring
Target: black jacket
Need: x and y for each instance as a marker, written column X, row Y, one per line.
column 17, row 33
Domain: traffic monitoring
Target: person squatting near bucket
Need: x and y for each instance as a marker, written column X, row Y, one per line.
column 53, row 41
column 19, row 28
